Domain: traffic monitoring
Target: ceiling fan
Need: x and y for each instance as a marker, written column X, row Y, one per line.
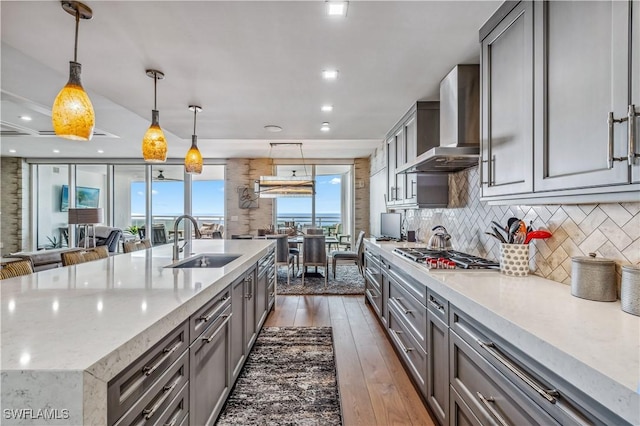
column 161, row 178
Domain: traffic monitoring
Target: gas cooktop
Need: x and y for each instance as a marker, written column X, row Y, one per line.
column 446, row 259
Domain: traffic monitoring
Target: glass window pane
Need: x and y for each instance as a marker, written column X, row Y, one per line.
column 52, row 215
column 294, row 211
column 207, row 195
column 129, row 198
column 167, row 201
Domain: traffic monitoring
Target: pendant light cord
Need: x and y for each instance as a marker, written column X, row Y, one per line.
column 75, row 46
column 303, row 163
column 155, row 90
column 195, row 111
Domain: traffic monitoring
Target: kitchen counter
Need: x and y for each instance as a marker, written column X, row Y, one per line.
column 594, row 346
column 67, row 331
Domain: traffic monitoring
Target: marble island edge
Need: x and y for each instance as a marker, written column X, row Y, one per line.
column 139, row 301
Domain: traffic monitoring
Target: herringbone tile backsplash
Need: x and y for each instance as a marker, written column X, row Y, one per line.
column 610, row 230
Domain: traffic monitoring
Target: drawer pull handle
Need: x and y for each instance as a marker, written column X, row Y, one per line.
column 435, row 304
column 214, row 312
column 167, row 353
column 215, row 333
column 488, row 403
column 166, row 391
column 397, row 334
column 371, row 294
column 401, row 306
column 548, row 394
column 176, row 416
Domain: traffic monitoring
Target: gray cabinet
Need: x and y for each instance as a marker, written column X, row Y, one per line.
column 507, row 104
column 416, row 132
column 373, row 281
column 407, row 323
column 558, row 82
column 140, row 387
column 250, row 329
column 438, row 357
column 635, row 86
column 238, row 349
column 582, row 70
column 210, row 374
column 265, row 287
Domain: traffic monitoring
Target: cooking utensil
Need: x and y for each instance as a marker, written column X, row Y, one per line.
column 513, row 228
column 500, row 227
column 521, row 233
column 498, row 234
column 536, row 235
column 511, row 221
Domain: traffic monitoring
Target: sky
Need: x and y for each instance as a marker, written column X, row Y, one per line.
column 208, row 198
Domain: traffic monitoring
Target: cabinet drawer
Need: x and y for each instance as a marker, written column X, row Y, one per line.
column 410, row 311
column 210, row 374
column 129, row 386
column 200, row 320
column 177, row 410
column 271, row 295
column 410, row 352
column 372, row 279
column 461, row 414
column 491, row 397
column 566, row 405
column 375, row 298
column 438, row 306
column 413, row 287
column 155, row 401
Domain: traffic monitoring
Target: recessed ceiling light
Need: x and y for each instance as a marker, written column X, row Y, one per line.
column 100, row 151
column 327, row 108
column 272, row 128
column 56, row 151
column 325, row 127
column 24, row 117
column 13, row 151
column 330, row 74
column 337, row 8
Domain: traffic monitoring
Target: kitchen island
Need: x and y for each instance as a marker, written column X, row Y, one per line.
column 67, row 332
column 591, row 348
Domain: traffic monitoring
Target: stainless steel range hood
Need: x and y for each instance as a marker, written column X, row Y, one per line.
column 459, row 125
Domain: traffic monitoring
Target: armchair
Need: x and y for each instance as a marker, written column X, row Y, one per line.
column 105, row 236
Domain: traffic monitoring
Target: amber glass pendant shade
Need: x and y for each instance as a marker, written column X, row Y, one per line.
column 193, row 159
column 72, row 114
column 154, row 145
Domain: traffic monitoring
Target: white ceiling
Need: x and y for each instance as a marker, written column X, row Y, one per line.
column 248, row 64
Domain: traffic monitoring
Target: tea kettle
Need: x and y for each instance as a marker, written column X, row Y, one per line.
column 440, row 240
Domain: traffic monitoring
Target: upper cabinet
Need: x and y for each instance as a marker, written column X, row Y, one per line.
column 417, row 132
column 507, row 104
column 558, row 83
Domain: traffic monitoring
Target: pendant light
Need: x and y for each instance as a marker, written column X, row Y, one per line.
column 154, row 145
column 193, row 160
column 72, row 114
column 285, row 186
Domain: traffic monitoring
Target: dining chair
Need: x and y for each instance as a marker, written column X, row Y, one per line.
column 72, row 258
column 16, row 269
column 314, row 253
column 349, row 255
column 283, row 256
column 315, row 231
column 102, row 252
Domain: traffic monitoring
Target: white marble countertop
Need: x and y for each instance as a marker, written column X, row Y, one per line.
column 595, row 346
column 99, row 316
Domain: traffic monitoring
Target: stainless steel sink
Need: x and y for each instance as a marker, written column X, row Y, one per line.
column 205, row 260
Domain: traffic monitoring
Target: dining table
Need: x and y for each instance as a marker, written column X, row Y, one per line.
column 329, row 241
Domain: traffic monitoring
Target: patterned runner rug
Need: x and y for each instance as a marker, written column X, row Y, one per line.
column 348, row 281
column 288, row 379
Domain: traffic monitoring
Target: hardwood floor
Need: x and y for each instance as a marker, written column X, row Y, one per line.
column 374, row 388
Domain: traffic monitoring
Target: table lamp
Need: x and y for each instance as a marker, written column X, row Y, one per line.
column 87, row 218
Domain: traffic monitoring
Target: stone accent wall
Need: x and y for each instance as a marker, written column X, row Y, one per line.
column 241, row 173
column 11, row 201
column 610, row 230
column 361, row 196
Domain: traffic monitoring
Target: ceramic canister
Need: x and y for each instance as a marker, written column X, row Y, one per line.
column 593, row 278
column 630, row 289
